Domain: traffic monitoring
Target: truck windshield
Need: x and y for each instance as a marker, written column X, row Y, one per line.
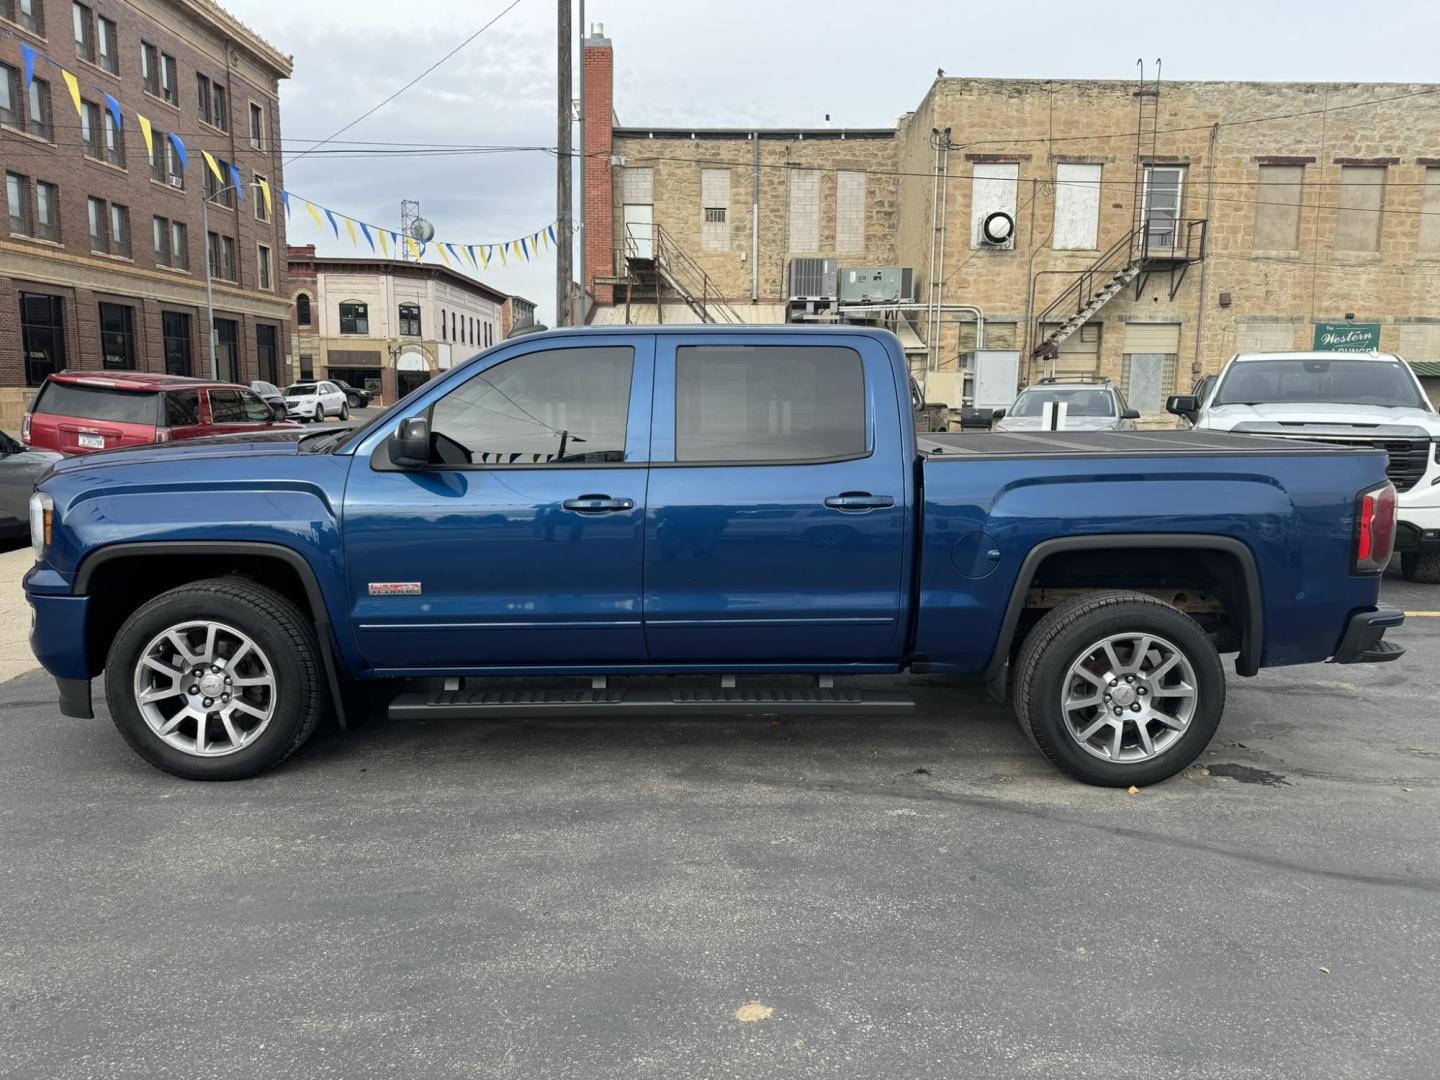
column 1300, row 381
column 1079, row 402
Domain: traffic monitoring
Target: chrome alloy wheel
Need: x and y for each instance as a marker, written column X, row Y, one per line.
column 1129, row 697
column 205, row 688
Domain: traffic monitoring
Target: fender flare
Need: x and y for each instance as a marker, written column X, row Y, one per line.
column 260, row 549
column 1252, row 632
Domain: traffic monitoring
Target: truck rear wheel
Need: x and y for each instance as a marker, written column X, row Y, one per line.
column 1421, row 566
column 1119, row 688
column 216, row 680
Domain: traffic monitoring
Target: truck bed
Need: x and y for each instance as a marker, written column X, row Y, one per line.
column 1043, row 444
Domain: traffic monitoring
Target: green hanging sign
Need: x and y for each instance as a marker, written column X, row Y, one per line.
column 1347, row 337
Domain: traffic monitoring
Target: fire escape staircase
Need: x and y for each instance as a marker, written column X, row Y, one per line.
column 654, row 267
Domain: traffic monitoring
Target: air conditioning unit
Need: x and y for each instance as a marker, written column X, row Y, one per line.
column 877, row 285
column 813, row 279
column 177, row 181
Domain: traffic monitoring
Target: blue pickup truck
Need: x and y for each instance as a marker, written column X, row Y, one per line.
column 570, row 508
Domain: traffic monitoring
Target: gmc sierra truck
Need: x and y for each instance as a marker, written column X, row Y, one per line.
column 567, row 509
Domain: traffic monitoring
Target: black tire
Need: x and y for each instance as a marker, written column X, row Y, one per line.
column 284, row 634
column 353, row 401
column 345, row 410
column 1072, row 630
column 1421, row 566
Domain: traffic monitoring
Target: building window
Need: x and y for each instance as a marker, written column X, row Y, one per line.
column 213, row 102
column 114, row 151
column 993, row 187
column 40, row 125
column 165, row 161
column 17, row 198
column 109, row 46
column 90, row 128
column 1148, row 372
column 220, row 193
column 307, row 366
column 804, row 210
column 267, row 352
column 98, row 240
column 117, row 337
column 354, row 317
column 410, row 320
column 220, row 252
column 84, row 33
column 1077, row 207
column 226, row 354
column 302, row 310
column 715, row 210
column 169, row 81
column 1164, row 197
column 471, row 338
column 1430, row 215
column 25, row 12
column 14, row 111
column 442, row 325
column 150, row 68
column 172, row 246
column 175, row 330
column 1357, row 222
column 262, row 211
column 849, row 212
column 257, row 126
column 10, row 108
column 47, row 212
column 42, row 336
column 263, row 266
column 119, row 230
column 1277, row 207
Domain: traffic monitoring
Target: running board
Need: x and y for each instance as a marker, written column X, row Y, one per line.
column 512, row 704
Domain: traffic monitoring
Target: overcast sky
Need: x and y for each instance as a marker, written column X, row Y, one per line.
column 741, row 62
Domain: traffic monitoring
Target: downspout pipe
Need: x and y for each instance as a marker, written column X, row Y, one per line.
column 755, row 223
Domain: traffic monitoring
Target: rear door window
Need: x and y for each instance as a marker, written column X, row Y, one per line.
column 98, row 403
column 769, row 403
column 182, row 408
column 226, row 407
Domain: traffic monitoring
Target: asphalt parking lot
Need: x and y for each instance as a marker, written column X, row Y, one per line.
column 736, row 899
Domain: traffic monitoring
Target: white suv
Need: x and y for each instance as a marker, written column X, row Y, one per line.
column 1371, row 399
column 315, row 401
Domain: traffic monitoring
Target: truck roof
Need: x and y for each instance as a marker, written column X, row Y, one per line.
column 1240, row 358
column 719, row 330
column 134, row 380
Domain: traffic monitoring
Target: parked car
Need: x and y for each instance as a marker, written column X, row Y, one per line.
column 1090, row 405
column 354, row 395
column 697, row 501
column 80, row 412
column 271, row 395
column 316, row 400
column 20, row 467
column 1349, row 399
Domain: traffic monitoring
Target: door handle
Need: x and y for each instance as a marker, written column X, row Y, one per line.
column 597, row 504
column 858, row 500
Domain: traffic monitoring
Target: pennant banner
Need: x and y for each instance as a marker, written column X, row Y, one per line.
column 148, row 133
column 28, row 52
column 73, row 85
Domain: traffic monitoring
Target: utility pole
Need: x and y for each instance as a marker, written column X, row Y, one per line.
column 564, row 164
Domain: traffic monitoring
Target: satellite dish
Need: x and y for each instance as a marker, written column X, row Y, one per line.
column 422, row 231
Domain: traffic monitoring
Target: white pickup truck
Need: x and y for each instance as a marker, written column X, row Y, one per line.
column 1370, row 399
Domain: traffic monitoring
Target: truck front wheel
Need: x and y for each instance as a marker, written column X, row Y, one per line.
column 216, row 680
column 1119, row 688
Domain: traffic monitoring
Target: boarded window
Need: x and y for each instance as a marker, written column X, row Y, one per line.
column 1077, row 207
column 1151, row 352
column 637, row 185
column 1357, row 222
column 715, row 210
column 849, row 212
column 1430, row 214
column 1277, row 207
column 1269, row 335
column 804, row 210
column 993, row 189
column 1420, row 341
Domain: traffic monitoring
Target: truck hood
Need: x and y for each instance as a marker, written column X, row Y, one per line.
column 1301, row 418
column 284, row 441
column 1072, row 423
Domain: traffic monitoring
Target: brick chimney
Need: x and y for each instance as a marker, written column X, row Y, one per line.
column 599, row 105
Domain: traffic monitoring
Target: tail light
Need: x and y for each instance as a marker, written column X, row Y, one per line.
column 1375, row 529
column 162, row 434
column 25, row 430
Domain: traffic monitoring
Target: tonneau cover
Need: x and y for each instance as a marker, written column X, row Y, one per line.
column 1093, row 443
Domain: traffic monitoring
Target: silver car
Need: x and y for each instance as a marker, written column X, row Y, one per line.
column 1089, row 406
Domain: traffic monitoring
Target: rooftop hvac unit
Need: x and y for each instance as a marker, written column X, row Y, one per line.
column 876, row 284
column 813, row 279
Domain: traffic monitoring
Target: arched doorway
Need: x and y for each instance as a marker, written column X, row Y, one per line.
column 411, row 370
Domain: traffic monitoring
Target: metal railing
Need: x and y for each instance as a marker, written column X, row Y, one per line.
column 676, row 267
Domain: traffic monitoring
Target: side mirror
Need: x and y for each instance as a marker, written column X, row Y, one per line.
column 410, row 445
column 998, row 414
column 1130, row 414
column 1186, row 405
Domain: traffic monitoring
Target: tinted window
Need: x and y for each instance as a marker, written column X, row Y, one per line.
column 1078, row 402
column 182, row 408
column 1331, row 382
column 768, row 403
column 543, row 408
column 255, row 410
column 225, row 407
column 98, row 403
column 300, row 391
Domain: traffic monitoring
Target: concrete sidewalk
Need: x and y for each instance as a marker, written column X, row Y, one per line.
column 15, row 655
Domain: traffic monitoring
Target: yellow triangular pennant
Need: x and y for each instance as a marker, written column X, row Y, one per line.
column 314, row 214
column 149, row 135
column 350, row 228
column 73, row 85
column 264, row 186
column 214, row 167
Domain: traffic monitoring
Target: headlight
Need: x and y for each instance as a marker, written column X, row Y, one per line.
column 42, row 522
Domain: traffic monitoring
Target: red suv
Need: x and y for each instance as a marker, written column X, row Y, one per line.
column 80, row 412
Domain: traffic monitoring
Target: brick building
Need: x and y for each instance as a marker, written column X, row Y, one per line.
column 1229, row 216
column 102, row 262
column 388, row 325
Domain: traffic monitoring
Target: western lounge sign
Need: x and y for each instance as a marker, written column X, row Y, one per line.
column 1347, row 337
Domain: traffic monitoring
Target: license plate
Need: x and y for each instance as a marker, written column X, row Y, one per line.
column 93, row 442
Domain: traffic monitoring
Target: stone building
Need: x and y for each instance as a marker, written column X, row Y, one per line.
column 103, row 257
column 388, row 325
column 1211, row 217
